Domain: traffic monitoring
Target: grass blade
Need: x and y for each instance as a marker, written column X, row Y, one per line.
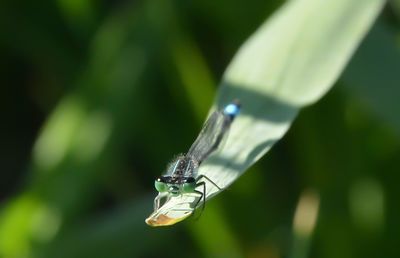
column 291, row 61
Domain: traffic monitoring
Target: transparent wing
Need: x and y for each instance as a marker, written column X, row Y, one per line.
column 210, row 136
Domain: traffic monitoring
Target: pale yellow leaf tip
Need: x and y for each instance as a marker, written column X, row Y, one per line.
column 159, row 220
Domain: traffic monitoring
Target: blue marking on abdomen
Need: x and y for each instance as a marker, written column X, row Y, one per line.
column 232, row 110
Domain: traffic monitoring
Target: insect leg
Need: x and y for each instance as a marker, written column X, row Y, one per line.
column 209, row 180
column 157, row 200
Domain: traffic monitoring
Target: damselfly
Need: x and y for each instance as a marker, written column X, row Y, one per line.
column 181, row 176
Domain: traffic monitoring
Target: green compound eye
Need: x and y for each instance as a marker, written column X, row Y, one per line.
column 160, row 185
column 189, row 186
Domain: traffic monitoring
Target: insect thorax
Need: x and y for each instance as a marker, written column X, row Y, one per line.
column 182, row 167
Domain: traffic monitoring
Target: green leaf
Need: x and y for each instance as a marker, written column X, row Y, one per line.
column 373, row 75
column 396, row 6
column 291, row 61
column 115, row 232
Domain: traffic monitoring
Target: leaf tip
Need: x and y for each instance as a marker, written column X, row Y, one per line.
column 159, row 220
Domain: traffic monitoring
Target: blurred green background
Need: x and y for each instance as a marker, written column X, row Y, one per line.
column 98, row 96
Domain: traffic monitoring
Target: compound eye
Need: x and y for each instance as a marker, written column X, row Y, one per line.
column 189, row 186
column 160, row 185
